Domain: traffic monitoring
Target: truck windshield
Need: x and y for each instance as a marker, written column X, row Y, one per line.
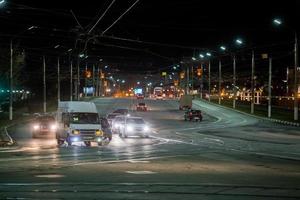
column 84, row 118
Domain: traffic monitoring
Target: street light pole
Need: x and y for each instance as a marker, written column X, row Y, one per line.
column 71, row 80
column 209, row 80
column 11, row 82
column 78, row 80
column 295, row 79
column 94, row 80
column 220, row 77
column 44, row 85
column 234, row 82
column 252, row 83
column 58, row 80
column 187, row 80
column 270, row 88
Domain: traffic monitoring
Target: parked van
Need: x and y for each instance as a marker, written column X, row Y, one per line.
column 78, row 121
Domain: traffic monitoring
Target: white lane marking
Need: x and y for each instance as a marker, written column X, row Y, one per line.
column 138, row 161
column 214, row 139
column 50, row 176
column 141, row 172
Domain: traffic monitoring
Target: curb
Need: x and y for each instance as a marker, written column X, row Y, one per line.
column 278, row 121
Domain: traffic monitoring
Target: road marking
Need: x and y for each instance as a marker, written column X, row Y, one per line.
column 50, row 176
column 141, row 172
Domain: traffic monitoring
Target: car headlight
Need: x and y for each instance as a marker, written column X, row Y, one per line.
column 146, row 128
column 53, row 127
column 128, row 115
column 129, row 128
column 116, row 125
column 99, row 133
column 36, row 127
column 76, row 132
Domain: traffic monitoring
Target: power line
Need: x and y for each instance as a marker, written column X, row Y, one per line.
column 120, row 17
column 102, row 15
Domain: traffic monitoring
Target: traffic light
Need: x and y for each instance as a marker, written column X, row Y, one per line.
column 175, row 82
column 199, row 72
column 88, row 74
column 182, row 75
column 102, row 75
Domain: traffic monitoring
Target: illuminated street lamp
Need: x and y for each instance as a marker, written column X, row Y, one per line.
column 2, row 2
column 223, row 48
column 208, row 54
column 201, row 55
column 193, row 58
column 277, row 21
column 239, row 41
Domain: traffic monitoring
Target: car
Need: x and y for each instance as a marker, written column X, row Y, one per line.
column 159, row 97
column 141, row 107
column 134, row 126
column 193, row 115
column 43, row 125
column 122, row 111
column 140, row 96
column 110, row 117
column 116, row 123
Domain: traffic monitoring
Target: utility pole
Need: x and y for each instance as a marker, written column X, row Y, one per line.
column 44, row 85
column 209, row 80
column 11, row 82
column 201, row 82
column 94, row 80
column 85, row 81
column 252, row 83
column 270, row 88
column 100, row 84
column 97, row 82
column 187, row 80
column 58, row 81
column 295, row 80
column 71, row 80
column 192, row 78
column 220, row 80
column 234, row 82
column 78, row 79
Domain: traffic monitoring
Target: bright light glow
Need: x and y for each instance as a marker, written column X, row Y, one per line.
column 193, row 58
column 161, row 84
column 108, row 90
column 106, row 67
column 223, row 48
column 70, row 50
column 201, row 55
column 138, row 82
column 99, row 132
column 81, row 55
column 53, row 127
column 239, row 41
column 36, row 127
column 75, row 139
column 277, row 21
column 174, row 68
column 31, row 27
column 146, row 128
column 208, row 54
column 2, row 1
column 75, row 132
column 129, row 128
column 123, row 81
column 56, row 46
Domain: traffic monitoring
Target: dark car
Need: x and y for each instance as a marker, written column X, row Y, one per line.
column 140, row 96
column 43, row 125
column 111, row 116
column 122, row 111
column 141, row 107
column 193, row 115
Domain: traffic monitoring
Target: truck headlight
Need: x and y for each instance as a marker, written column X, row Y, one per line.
column 36, row 127
column 53, row 127
column 99, row 133
column 76, row 132
column 146, row 128
column 129, row 128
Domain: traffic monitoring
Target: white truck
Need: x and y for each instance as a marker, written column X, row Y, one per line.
column 185, row 102
column 78, row 122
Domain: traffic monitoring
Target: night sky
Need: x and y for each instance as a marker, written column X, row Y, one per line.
column 161, row 33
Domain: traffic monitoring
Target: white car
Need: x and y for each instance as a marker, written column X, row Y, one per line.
column 134, row 126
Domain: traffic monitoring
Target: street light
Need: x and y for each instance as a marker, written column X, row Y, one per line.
column 208, row 54
column 2, row 2
column 193, row 58
column 223, row 48
column 278, row 22
column 11, row 68
column 201, row 55
column 239, row 41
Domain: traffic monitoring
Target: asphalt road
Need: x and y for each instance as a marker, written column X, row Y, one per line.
column 226, row 156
